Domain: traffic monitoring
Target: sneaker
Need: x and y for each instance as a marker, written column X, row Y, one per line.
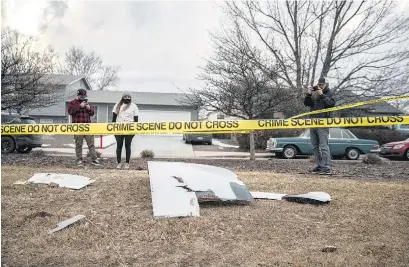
column 126, row 165
column 79, row 163
column 316, row 170
column 119, row 166
column 95, row 162
column 325, row 172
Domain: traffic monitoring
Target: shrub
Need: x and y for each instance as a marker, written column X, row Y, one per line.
column 372, row 158
column 261, row 137
column 147, row 154
column 222, row 136
column 382, row 135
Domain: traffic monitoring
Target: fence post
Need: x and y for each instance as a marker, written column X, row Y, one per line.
column 100, row 142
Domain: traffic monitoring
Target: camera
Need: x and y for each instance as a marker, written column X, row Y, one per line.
column 315, row 88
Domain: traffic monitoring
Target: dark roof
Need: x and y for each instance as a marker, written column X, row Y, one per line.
column 348, row 97
column 58, row 79
column 146, row 98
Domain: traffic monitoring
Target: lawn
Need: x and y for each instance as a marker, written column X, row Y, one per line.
column 368, row 221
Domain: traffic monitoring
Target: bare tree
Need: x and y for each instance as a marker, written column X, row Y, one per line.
column 234, row 85
column 362, row 46
column 25, row 73
column 90, row 65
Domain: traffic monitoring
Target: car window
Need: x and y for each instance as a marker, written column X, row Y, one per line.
column 305, row 134
column 347, row 135
column 335, row 133
column 404, row 126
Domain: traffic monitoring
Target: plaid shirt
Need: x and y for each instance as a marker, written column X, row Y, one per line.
column 79, row 114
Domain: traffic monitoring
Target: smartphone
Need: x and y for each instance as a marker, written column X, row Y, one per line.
column 315, row 88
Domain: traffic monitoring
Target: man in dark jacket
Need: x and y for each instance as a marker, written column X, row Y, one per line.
column 318, row 98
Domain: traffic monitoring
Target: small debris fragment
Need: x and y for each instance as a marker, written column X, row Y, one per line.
column 66, row 223
column 329, row 249
column 61, row 180
column 21, row 182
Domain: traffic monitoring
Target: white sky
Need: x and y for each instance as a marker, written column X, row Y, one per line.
column 157, row 43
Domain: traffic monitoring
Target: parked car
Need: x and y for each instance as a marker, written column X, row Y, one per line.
column 198, row 138
column 403, row 128
column 21, row 143
column 342, row 143
column 395, row 150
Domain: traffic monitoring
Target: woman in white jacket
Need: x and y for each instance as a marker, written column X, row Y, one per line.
column 124, row 111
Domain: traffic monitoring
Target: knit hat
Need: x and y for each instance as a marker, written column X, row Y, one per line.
column 321, row 80
column 127, row 93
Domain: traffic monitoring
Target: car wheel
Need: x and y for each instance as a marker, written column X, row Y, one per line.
column 24, row 149
column 7, row 144
column 407, row 154
column 352, row 154
column 210, row 143
column 289, row 152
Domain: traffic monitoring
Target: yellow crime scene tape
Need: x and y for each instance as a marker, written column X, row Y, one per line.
column 210, row 127
column 179, row 127
column 352, row 105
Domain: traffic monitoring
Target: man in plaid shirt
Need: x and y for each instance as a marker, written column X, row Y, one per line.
column 81, row 112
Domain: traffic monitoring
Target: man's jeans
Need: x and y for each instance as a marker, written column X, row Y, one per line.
column 319, row 141
column 79, row 140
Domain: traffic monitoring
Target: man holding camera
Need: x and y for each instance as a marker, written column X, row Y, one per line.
column 81, row 112
column 318, row 98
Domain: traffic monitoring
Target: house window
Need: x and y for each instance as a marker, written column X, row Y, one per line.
column 50, row 121
column 220, row 116
column 95, row 117
column 109, row 115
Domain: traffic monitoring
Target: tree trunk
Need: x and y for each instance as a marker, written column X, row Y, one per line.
column 252, row 148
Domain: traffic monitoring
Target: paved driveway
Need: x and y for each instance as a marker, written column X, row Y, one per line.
column 162, row 145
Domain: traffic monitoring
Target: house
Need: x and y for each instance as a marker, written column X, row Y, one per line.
column 215, row 115
column 377, row 109
column 152, row 106
column 69, row 85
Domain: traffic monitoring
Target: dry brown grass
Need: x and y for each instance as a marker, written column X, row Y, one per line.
column 367, row 221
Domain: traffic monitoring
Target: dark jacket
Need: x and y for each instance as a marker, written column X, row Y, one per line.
column 316, row 102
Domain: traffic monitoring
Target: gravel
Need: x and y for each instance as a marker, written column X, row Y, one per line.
column 388, row 170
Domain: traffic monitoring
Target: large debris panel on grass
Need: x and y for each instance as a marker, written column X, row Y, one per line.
column 178, row 187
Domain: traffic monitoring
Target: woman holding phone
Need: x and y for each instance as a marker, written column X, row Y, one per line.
column 124, row 111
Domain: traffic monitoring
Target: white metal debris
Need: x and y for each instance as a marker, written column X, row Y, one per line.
column 21, row 182
column 61, row 180
column 177, row 187
column 264, row 195
column 311, row 197
column 66, row 223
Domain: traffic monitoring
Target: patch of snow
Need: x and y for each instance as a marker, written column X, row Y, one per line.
column 220, row 144
column 107, row 140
